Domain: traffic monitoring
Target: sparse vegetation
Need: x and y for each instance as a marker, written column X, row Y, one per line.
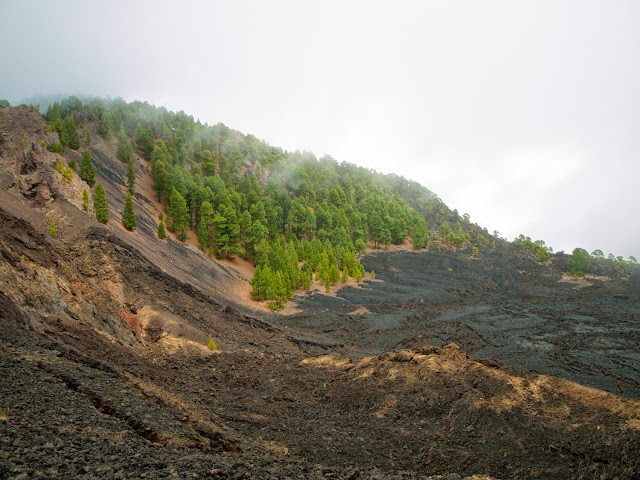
column 541, row 252
column 449, row 237
column 56, row 148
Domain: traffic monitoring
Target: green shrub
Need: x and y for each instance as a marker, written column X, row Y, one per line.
column 85, row 199
column 67, row 175
column 162, row 234
column 56, row 148
column 579, row 262
column 212, row 345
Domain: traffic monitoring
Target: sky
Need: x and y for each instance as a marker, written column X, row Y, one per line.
column 523, row 114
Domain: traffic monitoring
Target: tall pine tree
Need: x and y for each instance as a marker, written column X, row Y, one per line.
column 73, row 140
column 128, row 216
column 179, row 214
column 62, row 132
column 131, row 176
column 87, row 170
column 125, row 150
column 100, row 204
column 85, row 199
column 206, row 220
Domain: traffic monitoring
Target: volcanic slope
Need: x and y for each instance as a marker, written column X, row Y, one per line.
column 106, row 371
column 503, row 305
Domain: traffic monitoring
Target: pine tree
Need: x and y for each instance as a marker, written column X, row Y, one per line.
column 257, row 234
column 62, row 132
column 257, row 282
column 131, row 176
column 376, row 226
column 52, row 228
column 100, row 205
column 420, row 234
column 128, row 216
column 206, row 220
column 159, row 175
column 106, row 126
column 357, row 274
column 227, row 230
column 85, row 199
column 245, row 227
column 579, row 262
column 161, row 232
column 73, row 140
column 179, row 214
column 306, row 275
column 334, row 275
column 446, row 233
column 125, row 150
column 87, row 170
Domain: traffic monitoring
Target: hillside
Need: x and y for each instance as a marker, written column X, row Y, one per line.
column 445, row 365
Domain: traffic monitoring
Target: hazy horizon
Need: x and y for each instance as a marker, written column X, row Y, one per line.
column 524, row 115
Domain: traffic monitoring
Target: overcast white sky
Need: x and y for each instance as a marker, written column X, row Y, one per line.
column 524, row 114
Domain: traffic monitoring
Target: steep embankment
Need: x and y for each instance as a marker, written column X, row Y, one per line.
column 107, row 375
column 38, row 194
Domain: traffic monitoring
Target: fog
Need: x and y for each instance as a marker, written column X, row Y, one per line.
column 526, row 115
